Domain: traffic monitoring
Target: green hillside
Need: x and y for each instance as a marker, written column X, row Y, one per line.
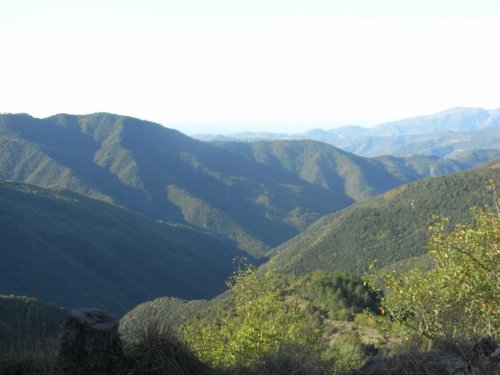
column 257, row 195
column 339, row 172
column 163, row 174
column 348, row 175
column 389, row 228
column 75, row 251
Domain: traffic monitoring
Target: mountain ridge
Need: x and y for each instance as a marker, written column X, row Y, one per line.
column 257, row 195
column 159, row 172
column 438, row 134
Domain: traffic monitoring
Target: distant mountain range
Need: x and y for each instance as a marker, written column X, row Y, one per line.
column 443, row 134
column 388, row 228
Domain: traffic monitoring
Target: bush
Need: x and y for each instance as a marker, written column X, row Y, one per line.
column 350, row 354
column 157, row 350
column 460, row 296
column 259, row 325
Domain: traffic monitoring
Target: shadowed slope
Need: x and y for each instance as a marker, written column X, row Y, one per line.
column 163, row 174
column 75, row 251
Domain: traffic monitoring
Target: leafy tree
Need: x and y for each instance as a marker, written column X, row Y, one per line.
column 460, row 296
column 259, row 324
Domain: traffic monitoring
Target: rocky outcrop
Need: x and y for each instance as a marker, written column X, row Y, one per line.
column 90, row 343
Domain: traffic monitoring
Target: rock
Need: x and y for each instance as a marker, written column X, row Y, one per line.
column 375, row 366
column 90, row 343
column 447, row 359
column 437, row 362
column 485, row 346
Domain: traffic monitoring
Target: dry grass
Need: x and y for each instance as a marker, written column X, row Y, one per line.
column 38, row 357
column 291, row 360
column 157, row 350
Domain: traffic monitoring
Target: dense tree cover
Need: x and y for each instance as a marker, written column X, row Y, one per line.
column 162, row 174
column 460, row 296
column 257, row 202
column 74, row 251
column 55, row 242
column 348, row 175
column 334, row 295
column 389, row 228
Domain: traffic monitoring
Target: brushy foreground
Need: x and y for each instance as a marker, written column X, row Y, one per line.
column 447, row 317
column 159, row 351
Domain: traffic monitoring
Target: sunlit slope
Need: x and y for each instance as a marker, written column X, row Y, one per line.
column 387, row 228
column 347, row 175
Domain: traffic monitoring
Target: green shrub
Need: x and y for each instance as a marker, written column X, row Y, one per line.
column 349, row 354
column 460, row 296
column 259, row 324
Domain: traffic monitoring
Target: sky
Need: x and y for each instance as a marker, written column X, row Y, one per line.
column 230, row 66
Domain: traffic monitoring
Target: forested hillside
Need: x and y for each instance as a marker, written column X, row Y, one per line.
column 256, row 195
column 163, row 174
column 74, row 251
column 346, row 174
column 388, row 228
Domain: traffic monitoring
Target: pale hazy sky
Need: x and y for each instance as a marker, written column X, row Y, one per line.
column 226, row 66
